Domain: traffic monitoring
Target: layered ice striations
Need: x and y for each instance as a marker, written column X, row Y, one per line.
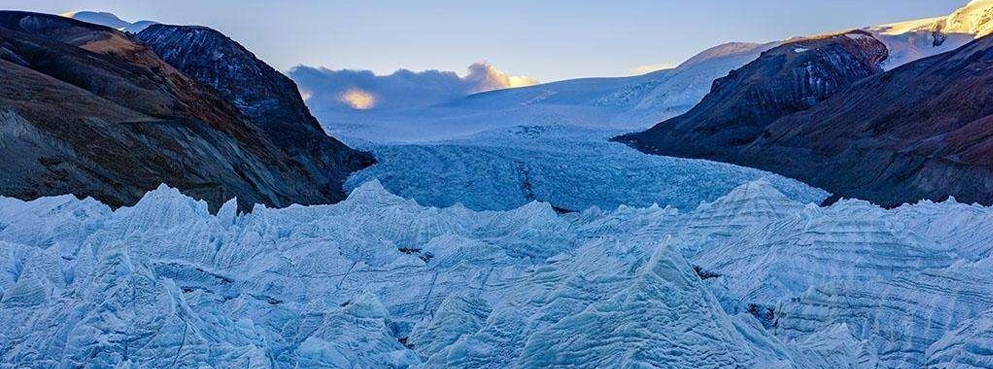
column 663, row 314
column 968, row 346
column 901, row 316
column 751, row 279
column 503, row 169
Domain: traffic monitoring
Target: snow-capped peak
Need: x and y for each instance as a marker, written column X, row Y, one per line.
column 976, row 18
column 108, row 20
column 915, row 39
column 101, row 18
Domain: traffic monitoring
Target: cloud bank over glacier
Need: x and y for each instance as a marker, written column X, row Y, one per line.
column 326, row 89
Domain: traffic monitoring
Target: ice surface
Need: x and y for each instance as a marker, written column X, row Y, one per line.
column 570, row 168
column 968, row 346
column 901, row 316
column 380, row 281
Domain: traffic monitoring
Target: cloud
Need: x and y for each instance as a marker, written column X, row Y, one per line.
column 337, row 90
column 648, row 68
column 486, row 77
column 358, row 99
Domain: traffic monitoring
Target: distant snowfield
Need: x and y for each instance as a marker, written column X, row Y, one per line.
column 753, row 279
column 618, row 103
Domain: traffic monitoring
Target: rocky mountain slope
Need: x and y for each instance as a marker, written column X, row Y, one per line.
column 266, row 97
column 89, row 111
column 920, row 131
column 789, row 78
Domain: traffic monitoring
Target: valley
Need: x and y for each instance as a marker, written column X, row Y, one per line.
column 171, row 200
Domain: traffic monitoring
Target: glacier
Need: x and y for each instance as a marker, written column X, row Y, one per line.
column 753, row 278
column 502, row 230
column 571, row 168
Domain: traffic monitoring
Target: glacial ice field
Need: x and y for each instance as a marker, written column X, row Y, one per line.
column 571, row 168
column 752, row 279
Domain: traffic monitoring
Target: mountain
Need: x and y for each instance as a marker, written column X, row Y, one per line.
column 789, row 78
column 916, row 39
column 101, row 18
column 263, row 95
column 108, row 20
column 91, row 112
column 975, row 18
column 624, row 103
column 628, row 103
column 756, row 278
column 631, row 99
column 920, row 131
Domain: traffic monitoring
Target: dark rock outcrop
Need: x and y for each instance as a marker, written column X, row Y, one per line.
column 265, row 96
column 920, row 131
column 86, row 110
column 789, row 78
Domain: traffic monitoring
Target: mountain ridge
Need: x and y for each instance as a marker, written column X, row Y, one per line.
column 788, row 78
column 919, row 131
column 91, row 112
column 265, row 96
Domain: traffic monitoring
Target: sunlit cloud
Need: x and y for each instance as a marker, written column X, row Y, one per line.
column 648, row 68
column 348, row 90
column 358, row 99
column 487, row 78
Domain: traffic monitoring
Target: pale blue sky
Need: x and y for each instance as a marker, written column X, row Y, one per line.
column 548, row 40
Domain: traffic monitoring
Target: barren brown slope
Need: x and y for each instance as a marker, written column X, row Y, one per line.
column 265, row 96
column 86, row 110
column 789, row 78
column 921, row 131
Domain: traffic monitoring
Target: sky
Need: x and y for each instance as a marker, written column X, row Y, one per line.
column 547, row 40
